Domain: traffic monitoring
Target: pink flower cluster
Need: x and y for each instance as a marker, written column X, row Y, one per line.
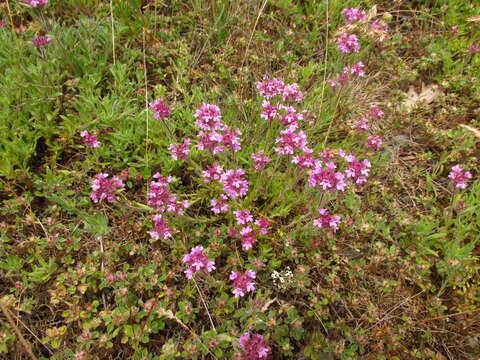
column 104, row 188
column 362, row 124
column 160, row 197
column 260, row 160
column 242, row 283
column 374, row 142
column 39, row 4
column 357, row 169
column 379, row 25
column 268, row 88
column 213, row 172
column 41, row 41
column 181, row 151
column 247, row 233
column 348, row 43
column 354, row 14
column 324, row 175
column 160, row 109
column 234, row 184
column 197, row 261
column 89, row 140
column 290, row 140
column 459, row 177
column 214, row 135
column 349, row 73
column 161, row 228
column 254, row 347
column 221, row 205
column 327, row 221
column 375, row 113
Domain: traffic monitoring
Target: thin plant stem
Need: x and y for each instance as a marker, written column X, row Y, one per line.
column 204, row 304
column 146, row 107
column 113, row 31
column 253, row 32
column 325, row 59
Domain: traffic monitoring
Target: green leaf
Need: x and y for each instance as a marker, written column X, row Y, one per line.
column 97, row 224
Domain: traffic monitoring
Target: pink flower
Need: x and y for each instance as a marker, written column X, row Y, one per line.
column 39, row 4
column 355, row 70
column 333, row 84
column 212, row 173
column 104, row 188
column 374, row 142
column 234, row 184
column 375, row 112
column 291, row 92
column 354, row 14
column 160, row 109
column 260, row 160
column 269, row 88
column 290, row 141
column 211, row 141
column 348, row 43
column 231, row 139
column 243, row 217
column 474, row 48
column 160, row 197
column 357, row 169
column 379, row 25
column 344, row 79
column 455, row 30
column 242, row 283
column 161, row 228
column 254, row 347
column 459, row 177
column 305, row 161
column 361, row 125
column 41, row 41
column 263, row 225
column 326, row 177
column 89, row 140
column 326, row 221
column 269, row 111
column 197, row 261
column 181, row 151
column 248, row 237
column 289, row 116
column 209, row 118
column 219, row 206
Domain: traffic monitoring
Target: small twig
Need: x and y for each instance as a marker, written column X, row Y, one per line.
column 33, row 334
column 204, row 303
column 447, row 316
column 325, row 59
column 113, row 32
column 25, row 344
column 471, row 129
column 392, row 310
column 102, row 267
column 146, row 104
column 253, row 32
column 169, row 314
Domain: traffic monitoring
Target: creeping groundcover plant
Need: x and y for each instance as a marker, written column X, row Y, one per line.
column 202, row 233
column 322, row 172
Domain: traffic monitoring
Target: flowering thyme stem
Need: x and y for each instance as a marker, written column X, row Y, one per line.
column 204, row 303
